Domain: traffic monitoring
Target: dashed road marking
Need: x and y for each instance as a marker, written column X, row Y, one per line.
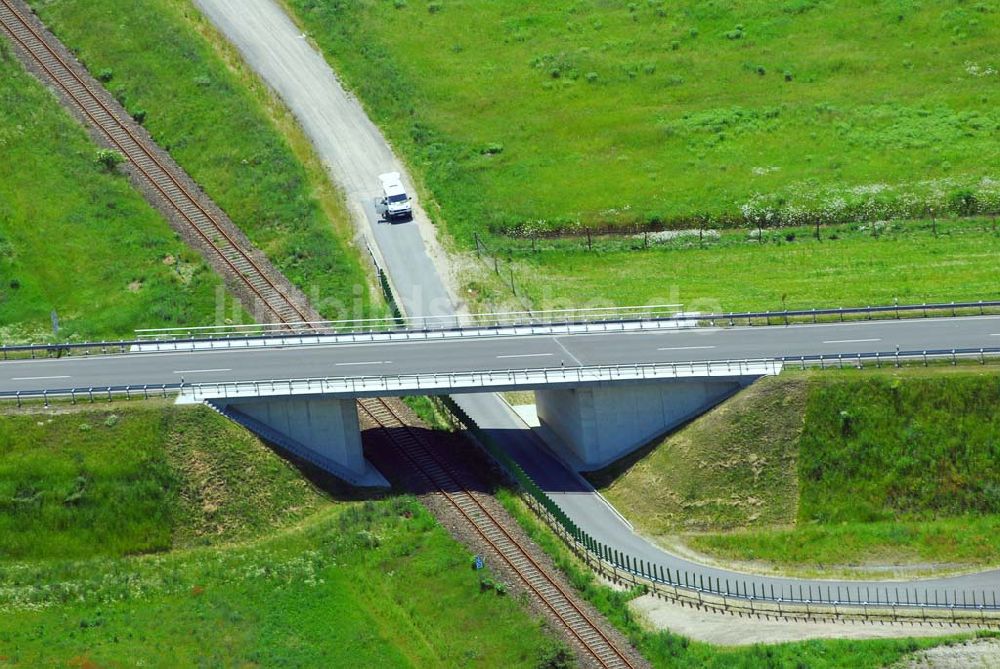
column 525, row 355
column 684, row 348
column 370, row 362
column 201, row 371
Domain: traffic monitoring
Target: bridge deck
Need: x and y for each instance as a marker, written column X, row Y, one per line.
column 497, row 355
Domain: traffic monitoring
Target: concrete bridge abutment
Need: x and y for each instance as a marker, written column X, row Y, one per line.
column 321, row 430
column 596, row 425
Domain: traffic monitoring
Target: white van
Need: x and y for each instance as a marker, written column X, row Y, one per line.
column 394, row 203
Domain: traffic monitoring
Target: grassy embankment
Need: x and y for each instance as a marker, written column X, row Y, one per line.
column 164, row 62
column 837, row 470
column 666, row 650
column 154, row 534
column 496, row 109
column 78, row 240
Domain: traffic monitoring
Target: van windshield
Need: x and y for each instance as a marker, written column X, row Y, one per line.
column 397, row 198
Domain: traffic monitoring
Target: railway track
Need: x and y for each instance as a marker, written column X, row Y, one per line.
column 449, row 485
column 164, row 178
column 161, row 177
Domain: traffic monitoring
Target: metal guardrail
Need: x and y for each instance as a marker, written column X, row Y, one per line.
column 864, row 599
column 898, row 311
column 444, row 322
column 475, row 381
column 515, row 323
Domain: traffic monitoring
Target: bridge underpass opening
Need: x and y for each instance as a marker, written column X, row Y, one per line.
column 589, row 425
column 322, row 430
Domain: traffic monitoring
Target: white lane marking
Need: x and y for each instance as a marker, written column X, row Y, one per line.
column 201, row 371
column 995, row 334
column 37, row 378
column 372, row 362
column 850, row 341
column 684, row 348
column 566, row 351
column 525, row 355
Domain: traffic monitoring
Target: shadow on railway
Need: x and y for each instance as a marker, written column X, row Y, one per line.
column 459, row 457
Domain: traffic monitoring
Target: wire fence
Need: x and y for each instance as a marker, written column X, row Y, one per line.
column 504, row 270
column 902, row 600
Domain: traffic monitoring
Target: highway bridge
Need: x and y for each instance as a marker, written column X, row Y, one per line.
column 606, row 368
column 301, row 395
column 603, row 390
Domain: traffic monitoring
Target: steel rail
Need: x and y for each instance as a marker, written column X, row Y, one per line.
column 570, row 615
column 22, row 31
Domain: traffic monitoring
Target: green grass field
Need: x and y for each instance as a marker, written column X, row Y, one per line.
column 666, row 650
column 849, row 267
column 77, row 240
column 170, row 537
column 567, row 116
column 228, row 131
column 137, row 479
column 581, row 113
column 837, row 470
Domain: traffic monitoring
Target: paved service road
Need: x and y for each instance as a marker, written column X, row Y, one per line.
column 578, row 499
column 498, row 353
column 350, row 145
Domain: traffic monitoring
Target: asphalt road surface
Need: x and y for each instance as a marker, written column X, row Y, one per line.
column 498, row 353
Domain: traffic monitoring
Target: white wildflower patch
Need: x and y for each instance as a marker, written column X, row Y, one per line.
column 662, row 236
column 761, row 171
column 976, row 70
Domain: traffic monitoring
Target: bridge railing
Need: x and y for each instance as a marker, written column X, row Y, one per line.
column 489, row 325
column 443, row 322
column 473, row 381
column 746, row 592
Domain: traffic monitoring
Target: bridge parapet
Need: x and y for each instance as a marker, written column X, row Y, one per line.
column 474, row 381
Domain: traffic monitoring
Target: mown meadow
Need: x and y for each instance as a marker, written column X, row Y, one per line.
column 566, row 113
column 170, row 537
column 841, row 470
column 228, row 131
column 562, row 117
column 850, row 265
column 75, row 238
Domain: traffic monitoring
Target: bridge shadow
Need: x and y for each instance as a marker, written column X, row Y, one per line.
column 538, row 461
column 451, row 450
